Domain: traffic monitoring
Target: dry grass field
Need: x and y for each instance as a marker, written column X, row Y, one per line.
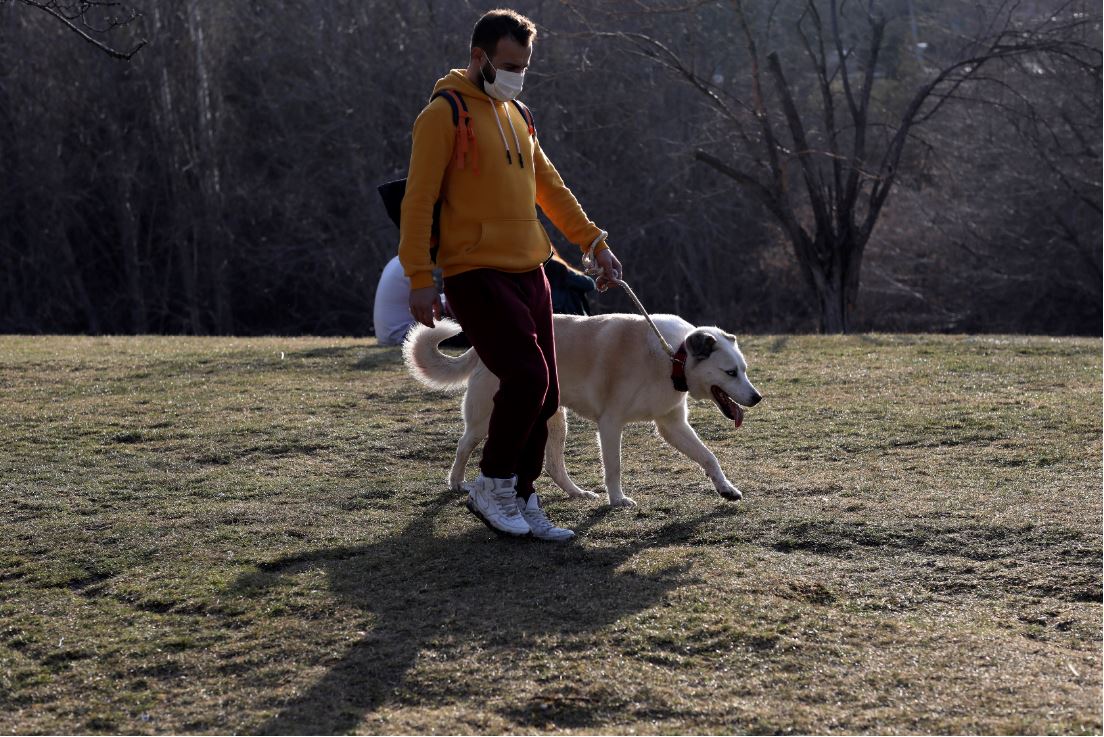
column 254, row 536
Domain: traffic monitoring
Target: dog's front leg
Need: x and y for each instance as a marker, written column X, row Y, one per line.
column 675, row 429
column 609, row 437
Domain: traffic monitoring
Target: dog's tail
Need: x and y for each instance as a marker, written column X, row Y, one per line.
column 431, row 367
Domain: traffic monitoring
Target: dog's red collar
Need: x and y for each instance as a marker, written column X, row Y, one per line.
column 678, row 368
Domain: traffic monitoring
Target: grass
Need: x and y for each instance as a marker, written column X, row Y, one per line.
column 253, row 535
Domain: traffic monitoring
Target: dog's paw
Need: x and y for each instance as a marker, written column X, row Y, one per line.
column 580, row 494
column 622, row 502
column 730, row 492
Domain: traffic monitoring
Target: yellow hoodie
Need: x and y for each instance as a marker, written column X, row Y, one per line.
column 489, row 198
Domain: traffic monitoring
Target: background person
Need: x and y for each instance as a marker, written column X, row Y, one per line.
column 391, row 317
column 570, row 286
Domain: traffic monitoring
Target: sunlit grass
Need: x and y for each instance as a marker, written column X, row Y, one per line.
column 243, row 535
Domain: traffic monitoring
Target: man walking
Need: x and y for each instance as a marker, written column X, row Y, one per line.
column 475, row 153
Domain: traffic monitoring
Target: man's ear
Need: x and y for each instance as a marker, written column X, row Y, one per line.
column 701, row 345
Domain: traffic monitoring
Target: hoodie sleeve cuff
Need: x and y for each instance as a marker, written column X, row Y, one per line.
column 421, row 280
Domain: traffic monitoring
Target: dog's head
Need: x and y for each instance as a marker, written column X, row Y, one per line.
column 716, row 369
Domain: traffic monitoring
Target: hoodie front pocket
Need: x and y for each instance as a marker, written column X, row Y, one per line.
column 513, row 236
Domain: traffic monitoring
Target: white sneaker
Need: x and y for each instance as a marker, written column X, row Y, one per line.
column 538, row 521
column 492, row 500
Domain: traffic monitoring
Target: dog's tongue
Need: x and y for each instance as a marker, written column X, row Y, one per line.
column 737, row 413
column 731, row 410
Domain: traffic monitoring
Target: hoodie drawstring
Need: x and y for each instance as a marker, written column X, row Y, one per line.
column 517, row 143
column 502, row 134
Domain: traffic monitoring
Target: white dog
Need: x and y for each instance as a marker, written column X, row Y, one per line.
column 613, row 371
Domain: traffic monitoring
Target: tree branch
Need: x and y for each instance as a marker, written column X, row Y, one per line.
column 79, row 9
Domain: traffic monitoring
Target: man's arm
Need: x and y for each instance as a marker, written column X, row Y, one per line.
column 430, row 152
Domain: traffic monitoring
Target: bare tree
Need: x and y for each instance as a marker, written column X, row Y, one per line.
column 825, row 169
column 223, row 181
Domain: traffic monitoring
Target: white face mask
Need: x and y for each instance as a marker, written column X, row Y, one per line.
column 506, row 86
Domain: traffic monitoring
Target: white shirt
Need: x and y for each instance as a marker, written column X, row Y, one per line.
column 392, row 316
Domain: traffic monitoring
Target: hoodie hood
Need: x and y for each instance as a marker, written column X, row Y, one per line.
column 458, row 80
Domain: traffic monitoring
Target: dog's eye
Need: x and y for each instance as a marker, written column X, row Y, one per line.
column 733, row 372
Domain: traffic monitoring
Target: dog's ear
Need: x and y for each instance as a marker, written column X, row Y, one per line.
column 701, row 345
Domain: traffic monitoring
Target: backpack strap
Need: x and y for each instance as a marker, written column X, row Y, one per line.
column 465, row 136
column 452, row 101
column 527, row 115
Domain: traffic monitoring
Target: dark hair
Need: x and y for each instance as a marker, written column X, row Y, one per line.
column 494, row 24
column 564, row 262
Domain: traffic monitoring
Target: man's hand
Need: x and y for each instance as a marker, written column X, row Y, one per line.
column 610, row 269
column 425, row 305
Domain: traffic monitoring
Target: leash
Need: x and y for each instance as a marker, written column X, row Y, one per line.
column 590, row 266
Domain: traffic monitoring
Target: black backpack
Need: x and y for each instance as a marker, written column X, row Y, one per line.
column 393, row 192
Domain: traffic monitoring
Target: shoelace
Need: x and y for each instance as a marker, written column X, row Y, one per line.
column 543, row 523
column 504, row 500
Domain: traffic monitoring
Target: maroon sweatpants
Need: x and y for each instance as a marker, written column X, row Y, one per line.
column 508, row 319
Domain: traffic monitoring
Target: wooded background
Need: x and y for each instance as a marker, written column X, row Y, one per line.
column 786, row 166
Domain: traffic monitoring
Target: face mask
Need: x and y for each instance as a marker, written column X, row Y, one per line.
column 506, row 86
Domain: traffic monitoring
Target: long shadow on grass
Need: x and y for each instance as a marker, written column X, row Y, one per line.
column 470, row 589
